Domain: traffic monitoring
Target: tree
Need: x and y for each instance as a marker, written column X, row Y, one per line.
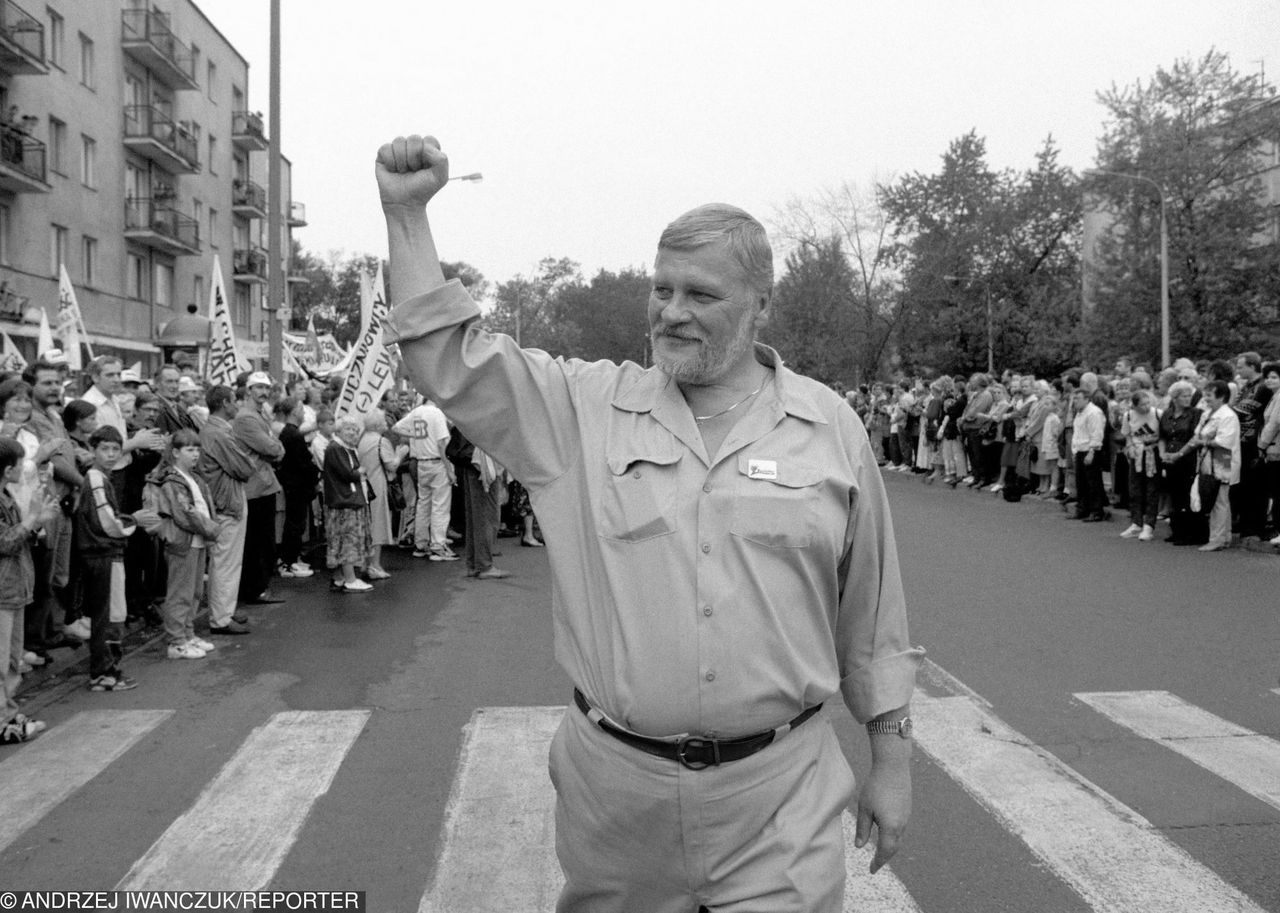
column 857, row 219
column 528, row 307
column 814, row 324
column 610, row 315
column 1196, row 130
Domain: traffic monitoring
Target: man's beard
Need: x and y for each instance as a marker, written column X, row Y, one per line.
column 709, row 363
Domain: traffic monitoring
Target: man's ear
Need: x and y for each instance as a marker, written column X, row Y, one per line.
column 765, row 305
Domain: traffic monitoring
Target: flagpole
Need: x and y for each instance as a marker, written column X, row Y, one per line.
column 275, row 225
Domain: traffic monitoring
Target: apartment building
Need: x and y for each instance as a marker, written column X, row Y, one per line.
column 130, row 153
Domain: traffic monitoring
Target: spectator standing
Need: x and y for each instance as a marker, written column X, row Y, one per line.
column 378, row 460
column 428, row 434
column 1088, row 431
column 1218, row 438
column 298, row 475
column 955, row 464
column 319, row 443
column 225, row 467
column 1141, row 429
column 252, row 432
column 1046, row 468
column 173, row 416
column 105, row 371
column 973, row 427
column 191, row 400
column 1269, row 444
column 100, row 534
column 1249, row 497
column 188, row 527
column 346, row 507
column 476, row 474
column 1177, row 452
column 144, row 565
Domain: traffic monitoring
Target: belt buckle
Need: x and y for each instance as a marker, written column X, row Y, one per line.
column 693, row 742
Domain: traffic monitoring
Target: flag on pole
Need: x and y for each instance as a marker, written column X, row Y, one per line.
column 370, row 372
column 224, row 360
column 313, row 338
column 70, row 324
column 44, row 341
column 11, row 359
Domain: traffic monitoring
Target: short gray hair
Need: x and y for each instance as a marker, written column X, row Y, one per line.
column 715, row 223
column 1182, row 386
column 349, row 422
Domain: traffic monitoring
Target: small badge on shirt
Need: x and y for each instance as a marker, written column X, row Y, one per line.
column 762, row 469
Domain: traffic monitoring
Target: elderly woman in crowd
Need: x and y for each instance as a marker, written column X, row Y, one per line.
column 1217, row 439
column 1177, row 428
column 346, row 506
column 378, row 460
column 1141, row 427
column 1269, row 443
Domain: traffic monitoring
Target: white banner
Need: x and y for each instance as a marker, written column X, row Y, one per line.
column 11, row 359
column 70, row 326
column 44, row 342
column 224, row 362
column 371, row 372
column 303, row 350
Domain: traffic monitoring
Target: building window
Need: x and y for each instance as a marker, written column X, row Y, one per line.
column 135, row 280
column 211, row 79
column 162, row 279
column 88, row 161
column 57, row 145
column 213, row 154
column 89, row 260
column 213, row 227
column 57, row 34
column 197, row 211
column 4, row 234
column 197, row 290
column 237, row 99
column 57, row 248
column 86, row 62
column 241, row 315
column 195, row 63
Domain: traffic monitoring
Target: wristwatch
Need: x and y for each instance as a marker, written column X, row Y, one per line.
column 902, row 728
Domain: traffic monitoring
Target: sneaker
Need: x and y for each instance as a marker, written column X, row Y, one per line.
column 1275, row 541
column 301, row 569
column 493, row 573
column 79, row 629
column 185, row 651
column 32, row 659
column 357, row 586
column 376, row 573
column 999, row 486
column 1148, row 533
column 1132, row 531
column 285, row 571
column 442, row 553
column 112, row 683
column 231, row 627
column 201, row 644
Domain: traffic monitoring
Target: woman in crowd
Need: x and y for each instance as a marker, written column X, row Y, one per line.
column 346, row 506
column 1177, row 428
column 378, row 462
column 955, row 465
column 1141, row 427
column 993, row 445
column 1269, row 443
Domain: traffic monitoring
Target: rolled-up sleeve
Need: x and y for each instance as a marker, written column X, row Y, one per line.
column 877, row 662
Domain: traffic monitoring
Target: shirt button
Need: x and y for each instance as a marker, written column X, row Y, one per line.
column 706, row 548
column 707, row 488
column 706, row 610
column 711, row 676
column 636, row 474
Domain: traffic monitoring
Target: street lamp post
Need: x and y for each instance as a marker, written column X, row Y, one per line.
column 1165, row 358
column 991, row 344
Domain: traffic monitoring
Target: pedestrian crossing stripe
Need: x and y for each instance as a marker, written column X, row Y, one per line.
column 245, row 821
column 1236, row 754
column 44, row 773
column 1108, row 853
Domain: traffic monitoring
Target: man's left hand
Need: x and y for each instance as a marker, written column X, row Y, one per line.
column 885, row 801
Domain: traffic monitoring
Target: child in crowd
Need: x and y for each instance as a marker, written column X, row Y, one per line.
column 17, row 587
column 100, row 534
column 188, row 525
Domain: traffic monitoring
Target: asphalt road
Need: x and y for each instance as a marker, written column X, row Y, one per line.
column 368, row 700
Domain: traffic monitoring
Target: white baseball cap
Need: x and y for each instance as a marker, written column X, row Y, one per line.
column 130, row 376
column 258, row 378
column 187, row 385
column 53, row 357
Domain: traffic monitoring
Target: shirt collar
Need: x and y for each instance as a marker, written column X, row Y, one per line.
column 656, row 389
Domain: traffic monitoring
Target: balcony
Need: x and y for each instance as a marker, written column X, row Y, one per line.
column 160, row 226
column 147, row 38
column 249, row 265
column 22, row 162
column 153, row 135
column 247, row 132
column 297, row 215
column 12, row 305
column 248, row 199
column 21, row 41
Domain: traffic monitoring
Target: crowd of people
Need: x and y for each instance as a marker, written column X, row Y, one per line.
column 1196, row 444
column 136, row 502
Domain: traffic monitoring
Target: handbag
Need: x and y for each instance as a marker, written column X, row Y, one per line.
column 395, row 495
column 1207, row 486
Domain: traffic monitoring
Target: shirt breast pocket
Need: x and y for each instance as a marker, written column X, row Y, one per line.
column 638, row 501
column 777, row 511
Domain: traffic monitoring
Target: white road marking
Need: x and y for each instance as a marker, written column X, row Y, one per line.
column 246, row 819
column 1104, row 850
column 1238, row 755
column 498, row 839
column 41, row 774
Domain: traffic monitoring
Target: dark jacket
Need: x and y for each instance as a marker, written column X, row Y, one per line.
column 179, row 520
column 17, row 573
column 100, row 530
column 174, row 418
column 224, row 465
column 343, row 484
column 297, row 470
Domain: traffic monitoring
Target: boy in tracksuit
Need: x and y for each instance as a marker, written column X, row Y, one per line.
column 100, row 534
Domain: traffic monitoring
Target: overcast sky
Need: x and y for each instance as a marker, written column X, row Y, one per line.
column 595, row 123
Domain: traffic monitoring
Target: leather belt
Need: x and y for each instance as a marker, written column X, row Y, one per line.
column 693, row 752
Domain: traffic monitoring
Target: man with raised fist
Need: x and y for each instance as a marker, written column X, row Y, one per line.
column 722, row 563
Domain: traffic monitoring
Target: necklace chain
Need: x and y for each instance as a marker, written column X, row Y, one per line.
column 707, row 418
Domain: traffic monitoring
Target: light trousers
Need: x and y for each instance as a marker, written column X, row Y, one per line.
column 435, row 500
column 1220, row 517
column 182, row 595
column 759, row 835
column 226, row 558
column 953, row 458
column 11, row 637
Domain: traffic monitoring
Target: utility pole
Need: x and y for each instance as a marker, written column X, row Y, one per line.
column 275, row 222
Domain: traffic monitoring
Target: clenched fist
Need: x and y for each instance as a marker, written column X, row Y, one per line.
column 410, row 171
